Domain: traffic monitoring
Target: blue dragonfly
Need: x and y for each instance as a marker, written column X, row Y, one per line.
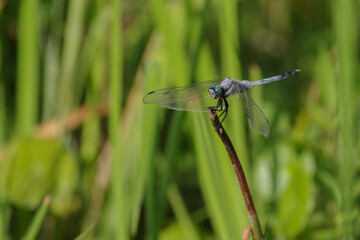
column 199, row 97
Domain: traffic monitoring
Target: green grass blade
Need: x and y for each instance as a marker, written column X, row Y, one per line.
column 28, row 67
column 38, row 220
column 173, row 45
column 2, row 101
column 218, row 182
column 120, row 226
column 231, row 67
column 92, row 58
column 73, row 34
column 150, row 140
column 181, row 213
column 176, row 61
column 4, row 217
column 86, row 233
column 345, row 14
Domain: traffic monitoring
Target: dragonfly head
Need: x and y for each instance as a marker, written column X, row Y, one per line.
column 215, row 91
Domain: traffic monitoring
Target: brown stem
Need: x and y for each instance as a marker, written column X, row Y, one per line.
column 254, row 220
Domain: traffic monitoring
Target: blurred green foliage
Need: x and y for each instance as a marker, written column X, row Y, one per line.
column 135, row 171
column 34, row 168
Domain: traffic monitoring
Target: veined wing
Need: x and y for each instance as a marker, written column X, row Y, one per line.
column 194, row 97
column 256, row 117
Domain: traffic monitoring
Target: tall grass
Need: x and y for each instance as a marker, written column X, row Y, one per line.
column 27, row 67
column 144, row 172
column 345, row 13
column 119, row 200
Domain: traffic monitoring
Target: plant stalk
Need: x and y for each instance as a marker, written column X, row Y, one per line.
column 254, row 220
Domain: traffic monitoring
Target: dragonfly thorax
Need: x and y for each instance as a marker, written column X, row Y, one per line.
column 215, row 91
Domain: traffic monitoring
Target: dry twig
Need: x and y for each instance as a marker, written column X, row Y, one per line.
column 254, row 220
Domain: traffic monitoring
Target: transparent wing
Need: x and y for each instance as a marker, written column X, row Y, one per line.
column 194, row 97
column 256, row 117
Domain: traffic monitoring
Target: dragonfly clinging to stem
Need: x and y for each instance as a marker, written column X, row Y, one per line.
column 199, row 97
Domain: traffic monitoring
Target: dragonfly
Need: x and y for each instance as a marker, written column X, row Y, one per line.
column 214, row 94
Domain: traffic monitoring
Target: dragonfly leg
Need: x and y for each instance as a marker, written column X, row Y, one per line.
column 221, row 113
column 218, row 106
column 225, row 110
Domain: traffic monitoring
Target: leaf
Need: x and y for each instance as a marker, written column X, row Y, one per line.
column 34, row 168
column 65, row 199
column 295, row 201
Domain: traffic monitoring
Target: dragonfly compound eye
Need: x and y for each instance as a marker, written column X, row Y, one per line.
column 215, row 91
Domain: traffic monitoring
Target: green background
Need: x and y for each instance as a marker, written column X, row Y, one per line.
column 81, row 156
